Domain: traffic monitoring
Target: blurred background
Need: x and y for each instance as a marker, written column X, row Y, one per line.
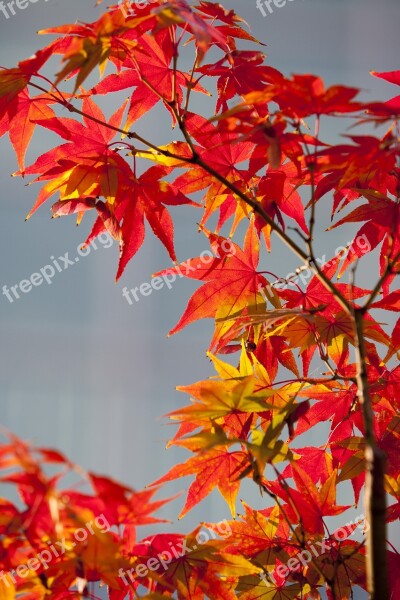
column 82, row 370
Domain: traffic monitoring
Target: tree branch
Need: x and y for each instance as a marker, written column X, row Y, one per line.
column 375, row 495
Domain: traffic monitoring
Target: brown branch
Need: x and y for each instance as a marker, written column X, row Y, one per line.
column 375, row 495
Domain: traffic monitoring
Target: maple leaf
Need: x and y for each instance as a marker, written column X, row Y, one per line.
column 273, row 140
column 341, row 411
column 13, row 82
column 86, row 165
column 265, row 590
column 316, row 295
column 258, row 535
column 123, row 505
column 305, row 95
column 194, row 569
column 221, row 398
column 213, row 468
column 85, row 46
column 276, row 194
column 211, row 11
column 149, row 196
column 151, row 62
column 231, row 279
column 391, row 107
column 311, row 503
column 382, row 216
column 232, row 407
column 244, row 73
column 178, row 12
column 101, row 559
column 294, row 326
column 224, row 152
column 221, row 403
column 369, row 165
column 343, row 564
column 20, row 121
column 331, row 328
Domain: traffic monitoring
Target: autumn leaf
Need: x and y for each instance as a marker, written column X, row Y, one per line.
column 151, row 62
column 150, row 194
column 244, row 72
column 86, row 165
column 341, row 412
column 92, row 44
column 219, row 399
column 309, row 502
column 261, row 534
column 20, row 124
column 224, row 152
column 214, row 468
column 276, row 195
column 305, row 95
column 231, row 279
column 381, row 214
column 391, row 107
column 13, row 82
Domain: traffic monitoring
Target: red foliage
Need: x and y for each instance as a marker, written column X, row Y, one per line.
column 255, row 164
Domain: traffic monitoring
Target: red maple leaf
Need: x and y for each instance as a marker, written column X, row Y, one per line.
column 151, row 62
column 382, row 216
column 309, row 501
column 213, row 468
column 245, row 72
column 232, row 281
column 149, row 194
column 305, row 95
